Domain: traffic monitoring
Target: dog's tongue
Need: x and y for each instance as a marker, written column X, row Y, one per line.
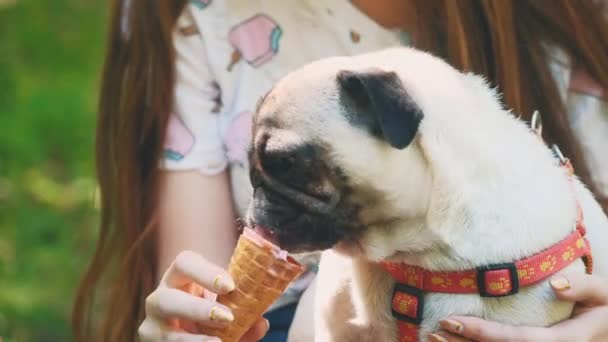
column 265, row 233
column 265, row 237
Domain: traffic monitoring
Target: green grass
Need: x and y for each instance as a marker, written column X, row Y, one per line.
column 50, row 58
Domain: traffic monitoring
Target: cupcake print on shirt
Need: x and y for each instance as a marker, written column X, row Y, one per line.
column 256, row 40
column 236, row 139
column 179, row 140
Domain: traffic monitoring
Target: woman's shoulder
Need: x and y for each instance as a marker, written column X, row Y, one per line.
column 586, row 103
column 233, row 32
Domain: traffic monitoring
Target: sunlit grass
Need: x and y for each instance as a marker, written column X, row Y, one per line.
column 50, row 56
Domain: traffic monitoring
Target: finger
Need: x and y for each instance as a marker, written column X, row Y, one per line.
column 151, row 331
column 481, row 330
column 446, row 337
column 587, row 326
column 257, row 331
column 581, row 288
column 199, row 291
column 166, row 303
column 192, row 267
column 176, row 336
column 181, row 325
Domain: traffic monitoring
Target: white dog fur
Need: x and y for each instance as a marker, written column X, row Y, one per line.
column 474, row 188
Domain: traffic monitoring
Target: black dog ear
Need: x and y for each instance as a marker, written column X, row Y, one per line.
column 380, row 100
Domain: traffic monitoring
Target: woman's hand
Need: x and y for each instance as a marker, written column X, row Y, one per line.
column 183, row 301
column 589, row 321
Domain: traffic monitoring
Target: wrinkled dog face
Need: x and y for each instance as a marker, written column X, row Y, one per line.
column 333, row 155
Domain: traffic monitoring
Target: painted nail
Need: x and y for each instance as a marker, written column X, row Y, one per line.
column 451, row 325
column 223, row 283
column 219, row 314
column 560, row 283
column 437, row 338
column 266, row 325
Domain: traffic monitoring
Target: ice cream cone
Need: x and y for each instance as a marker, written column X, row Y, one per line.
column 261, row 272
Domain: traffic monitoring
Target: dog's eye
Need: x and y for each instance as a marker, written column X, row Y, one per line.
column 292, row 165
column 277, row 164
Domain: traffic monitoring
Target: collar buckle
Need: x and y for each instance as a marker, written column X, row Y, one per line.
column 407, row 303
column 498, row 280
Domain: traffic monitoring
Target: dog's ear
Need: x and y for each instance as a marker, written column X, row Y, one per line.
column 381, row 103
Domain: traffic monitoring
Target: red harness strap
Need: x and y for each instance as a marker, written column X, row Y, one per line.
column 500, row 280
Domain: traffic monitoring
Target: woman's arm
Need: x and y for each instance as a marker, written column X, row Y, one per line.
column 196, row 213
column 195, row 205
column 196, row 233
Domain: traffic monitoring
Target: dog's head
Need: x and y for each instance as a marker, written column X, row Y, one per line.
column 335, row 159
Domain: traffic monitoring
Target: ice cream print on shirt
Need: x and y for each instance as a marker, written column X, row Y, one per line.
column 201, row 3
column 256, row 40
column 583, row 83
column 236, row 139
column 179, row 140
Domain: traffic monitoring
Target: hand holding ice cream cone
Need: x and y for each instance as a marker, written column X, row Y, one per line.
column 183, row 304
column 261, row 272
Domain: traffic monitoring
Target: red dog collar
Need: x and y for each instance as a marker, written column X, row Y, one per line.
column 490, row 281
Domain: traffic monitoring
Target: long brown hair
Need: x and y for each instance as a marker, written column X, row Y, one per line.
column 500, row 39
column 135, row 101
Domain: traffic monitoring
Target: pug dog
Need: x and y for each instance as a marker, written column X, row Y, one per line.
column 396, row 156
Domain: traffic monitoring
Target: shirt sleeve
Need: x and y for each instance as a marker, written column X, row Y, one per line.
column 193, row 140
column 586, row 103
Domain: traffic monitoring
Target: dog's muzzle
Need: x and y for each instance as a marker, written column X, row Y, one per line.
column 296, row 221
column 297, row 218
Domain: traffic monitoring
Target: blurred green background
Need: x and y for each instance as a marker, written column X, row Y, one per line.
column 50, row 58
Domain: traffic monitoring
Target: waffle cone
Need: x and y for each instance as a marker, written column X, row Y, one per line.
column 261, row 276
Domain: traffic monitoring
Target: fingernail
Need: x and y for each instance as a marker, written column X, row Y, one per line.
column 451, row 325
column 560, row 283
column 219, row 314
column 223, row 283
column 267, row 325
column 437, row 338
